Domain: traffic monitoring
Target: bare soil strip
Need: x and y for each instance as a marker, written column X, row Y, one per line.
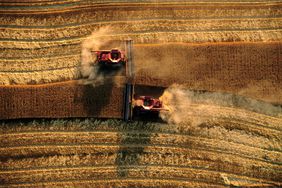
column 66, row 99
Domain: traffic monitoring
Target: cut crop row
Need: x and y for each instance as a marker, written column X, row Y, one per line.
column 135, row 12
column 159, row 37
column 214, row 162
column 38, row 138
column 39, row 64
column 153, row 139
column 146, row 25
column 88, row 173
column 137, row 182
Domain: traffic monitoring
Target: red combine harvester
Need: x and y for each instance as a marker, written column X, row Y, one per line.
column 114, row 57
column 147, row 104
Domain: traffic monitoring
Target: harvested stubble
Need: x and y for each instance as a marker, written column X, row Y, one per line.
column 250, row 69
column 63, row 99
column 168, row 152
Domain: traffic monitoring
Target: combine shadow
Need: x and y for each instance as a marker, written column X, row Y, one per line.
column 132, row 147
column 146, row 117
column 96, row 93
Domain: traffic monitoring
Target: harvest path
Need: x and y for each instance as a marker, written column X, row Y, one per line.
column 113, row 153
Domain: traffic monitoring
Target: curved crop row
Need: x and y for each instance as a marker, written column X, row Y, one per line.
column 39, row 150
column 160, row 139
column 41, row 138
column 137, row 182
column 194, row 159
column 84, row 173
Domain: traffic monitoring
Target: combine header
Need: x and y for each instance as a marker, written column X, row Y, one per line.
column 129, row 88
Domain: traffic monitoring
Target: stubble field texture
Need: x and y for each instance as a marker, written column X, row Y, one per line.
column 232, row 49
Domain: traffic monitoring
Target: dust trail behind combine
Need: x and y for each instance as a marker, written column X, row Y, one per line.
column 198, row 106
column 89, row 69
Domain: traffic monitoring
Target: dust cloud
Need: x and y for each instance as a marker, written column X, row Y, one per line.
column 198, row 106
column 90, row 70
column 87, row 58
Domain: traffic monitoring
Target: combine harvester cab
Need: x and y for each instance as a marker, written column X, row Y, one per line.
column 147, row 106
column 113, row 58
column 111, row 62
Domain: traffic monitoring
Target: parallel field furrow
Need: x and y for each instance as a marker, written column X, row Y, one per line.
column 160, row 37
column 28, row 151
column 141, row 12
column 40, row 138
column 141, row 26
column 194, row 159
column 39, row 64
column 75, row 6
column 121, row 182
column 37, row 77
column 197, row 175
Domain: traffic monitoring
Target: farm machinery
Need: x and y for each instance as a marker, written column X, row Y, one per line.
column 134, row 104
column 114, row 61
column 147, row 104
column 113, row 57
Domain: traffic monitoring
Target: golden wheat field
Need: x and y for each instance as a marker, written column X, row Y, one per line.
column 217, row 153
column 216, row 64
